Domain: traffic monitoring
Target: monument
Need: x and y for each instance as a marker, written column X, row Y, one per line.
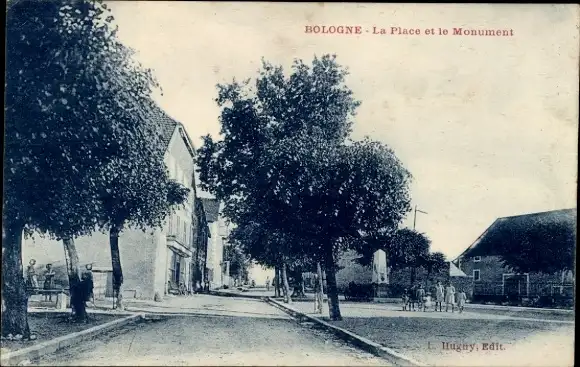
column 380, row 275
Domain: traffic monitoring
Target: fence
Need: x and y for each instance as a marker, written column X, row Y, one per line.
column 519, row 291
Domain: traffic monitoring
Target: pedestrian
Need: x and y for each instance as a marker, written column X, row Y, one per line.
column 405, row 299
column 31, row 278
column 48, row 282
column 267, row 284
column 420, row 298
column 88, row 279
column 413, row 297
column 317, row 294
column 461, row 298
column 450, row 297
column 197, row 286
column 439, row 296
column 428, row 302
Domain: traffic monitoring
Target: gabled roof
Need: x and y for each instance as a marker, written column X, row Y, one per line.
column 454, row 271
column 212, row 209
column 502, row 228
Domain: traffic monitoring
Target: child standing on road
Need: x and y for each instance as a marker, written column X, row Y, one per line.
column 420, row 298
column 461, row 298
column 405, row 299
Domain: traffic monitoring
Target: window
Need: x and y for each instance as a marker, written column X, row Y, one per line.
column 476, row 276
column 172, row 267
column 476, row 259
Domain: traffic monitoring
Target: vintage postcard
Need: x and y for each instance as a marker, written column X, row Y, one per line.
column 277, row 183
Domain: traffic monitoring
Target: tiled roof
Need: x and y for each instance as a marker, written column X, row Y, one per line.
column 212, row 208
column 504, row 228
column 166, row 123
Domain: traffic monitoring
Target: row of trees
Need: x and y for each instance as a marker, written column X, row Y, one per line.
column 298, row 187
column 81, row 150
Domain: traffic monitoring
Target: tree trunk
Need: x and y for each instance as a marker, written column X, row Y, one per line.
column 319, row 272
column 116, row 266
column 332, row 290
column 77, row 288
column 276, row 282
column 413, row 275
column 15, row 316
column 286, row 285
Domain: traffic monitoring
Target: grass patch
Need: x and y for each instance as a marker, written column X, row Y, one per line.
column 49, row 326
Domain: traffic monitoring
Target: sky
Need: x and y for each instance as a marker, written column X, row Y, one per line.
column 487, row 126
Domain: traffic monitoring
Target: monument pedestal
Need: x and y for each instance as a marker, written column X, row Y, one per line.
column 381, row 293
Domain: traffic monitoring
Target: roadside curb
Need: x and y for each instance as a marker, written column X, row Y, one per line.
column 361, row 342
column 93, row 311
column 255, row 296
column 562, row 311
column 54, row 345
column 238, row 295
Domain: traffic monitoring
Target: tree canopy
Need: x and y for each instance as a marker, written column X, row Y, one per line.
column 287, row 168
column 75, row 97
column 547, row 247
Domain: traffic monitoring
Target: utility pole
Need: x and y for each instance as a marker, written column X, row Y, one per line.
column 415, row 216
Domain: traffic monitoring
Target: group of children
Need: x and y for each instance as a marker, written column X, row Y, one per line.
column 417, row 298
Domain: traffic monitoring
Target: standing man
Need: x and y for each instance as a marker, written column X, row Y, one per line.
column 439, row 296
column 87, row 276
column 317, row 294
column 268, row 284
column 31, row 278
column 48, row 282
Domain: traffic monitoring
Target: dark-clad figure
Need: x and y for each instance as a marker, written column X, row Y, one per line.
column 88, row 283
column 439, row 296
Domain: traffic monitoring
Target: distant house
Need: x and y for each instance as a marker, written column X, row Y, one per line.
column 217, row 271
column 491, row 279
column 154, row 262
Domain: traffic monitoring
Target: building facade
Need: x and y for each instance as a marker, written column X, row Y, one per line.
column 154, row 262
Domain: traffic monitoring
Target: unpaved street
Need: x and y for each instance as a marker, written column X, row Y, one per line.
column 220, row 331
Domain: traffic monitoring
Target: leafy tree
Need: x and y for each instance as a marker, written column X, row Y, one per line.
column 273, row 249
column 239, row 262
column 543, row 244
column 408, row 249
column 138, row 194
column 286, row 163
column 72, row 96
column 434, row 263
